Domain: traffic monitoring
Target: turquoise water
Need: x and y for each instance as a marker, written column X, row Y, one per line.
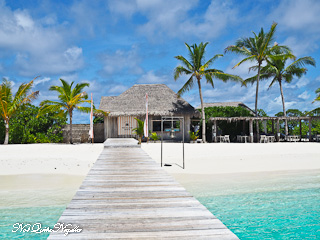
column 31, row 199
column 284, row 205
column 263, row 206
column 47, row 216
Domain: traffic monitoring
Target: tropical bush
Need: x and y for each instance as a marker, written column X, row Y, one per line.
column 11, row 104
column 194, row 135
column 25, row 127
column 98, row 120
column 154, row 136
column 139, row 129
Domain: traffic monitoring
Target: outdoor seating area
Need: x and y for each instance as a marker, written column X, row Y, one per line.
column 242, row 139
column 267, row 139
column 225, row 139
column 273, row 135
column 292, row 138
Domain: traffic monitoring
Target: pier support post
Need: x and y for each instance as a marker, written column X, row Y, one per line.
column 251, row 130
column 310, row 137
column 300, row 123
column 214, row 137
column 278, row 130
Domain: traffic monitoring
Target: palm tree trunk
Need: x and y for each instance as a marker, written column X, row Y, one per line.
column 256, row 104
column 284, row 109
column 6, row 139
column 203, row 116
column 70, row 136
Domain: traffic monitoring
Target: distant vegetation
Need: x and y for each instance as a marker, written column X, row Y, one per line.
column 70, row 98
column 233, row 129
column 25, row 127
column 13, row 104
column 236, row 128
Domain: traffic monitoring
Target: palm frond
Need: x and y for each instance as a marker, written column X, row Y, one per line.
column 185, row 62
column 178, row 71
column 209, row 79
column 226, row 77
column 186, row 87
column 210, row 61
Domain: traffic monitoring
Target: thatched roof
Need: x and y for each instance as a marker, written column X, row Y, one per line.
column 234, row 119
column 162, row 101
column 227, row 104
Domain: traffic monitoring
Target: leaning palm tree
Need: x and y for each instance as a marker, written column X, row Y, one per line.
column 197, row 68
column 277, row 70
column 318, row 96
column 257, row 49
column 69, row 100
column 317, row 99
column 11, row 105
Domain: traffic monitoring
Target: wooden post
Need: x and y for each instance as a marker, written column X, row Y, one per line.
column 310, row 137
column 251, row 130
column 265, row 126
column 272, row 126
column 243, row 126
column 300, row 123
column 214, row 131
column 278, row 130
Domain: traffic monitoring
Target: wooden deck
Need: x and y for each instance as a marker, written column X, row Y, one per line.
column 126, row 195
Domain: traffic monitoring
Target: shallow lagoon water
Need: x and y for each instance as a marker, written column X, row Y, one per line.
column 275, row 205
column 31, row 199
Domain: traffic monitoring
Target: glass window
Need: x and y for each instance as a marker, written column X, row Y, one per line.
column 156, row 125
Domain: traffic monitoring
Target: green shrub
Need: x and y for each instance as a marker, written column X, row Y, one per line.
column 154, row 136
column 25, row 127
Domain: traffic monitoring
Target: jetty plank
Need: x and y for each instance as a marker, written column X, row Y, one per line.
column 126, row 195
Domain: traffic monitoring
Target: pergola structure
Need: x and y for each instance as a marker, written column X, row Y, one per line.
column 273, row 119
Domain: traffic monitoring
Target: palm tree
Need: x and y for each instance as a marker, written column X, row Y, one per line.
column 197, row 68
column 257, row 49
column 10, row 105
column 318, row 95
column 277, row 70
column 139, row 129
column 69, row 100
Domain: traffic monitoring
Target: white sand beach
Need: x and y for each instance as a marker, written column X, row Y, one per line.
column 48, row 158
column 34, row 173
column 219, row 158
column 210, row 158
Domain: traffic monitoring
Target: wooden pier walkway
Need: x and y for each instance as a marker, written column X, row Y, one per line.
column 126, row 195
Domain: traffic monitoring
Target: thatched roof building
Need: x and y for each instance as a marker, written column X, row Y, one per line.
column 162, row 101
column 227, row 104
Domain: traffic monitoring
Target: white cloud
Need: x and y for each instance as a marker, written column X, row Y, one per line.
column 40, row 81
column 176, row 19
column 151, row 78
column 122, row 60
column 38, row 49
column 298, row 15
column 117, row 89
column 305, row 95
column 299, row 47
column 122, row 7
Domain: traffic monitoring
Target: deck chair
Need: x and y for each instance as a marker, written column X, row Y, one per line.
column 263, row 138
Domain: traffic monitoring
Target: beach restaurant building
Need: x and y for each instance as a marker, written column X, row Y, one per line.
column 162, row 102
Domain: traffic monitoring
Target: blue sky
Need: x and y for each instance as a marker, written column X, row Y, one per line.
column 115, row 44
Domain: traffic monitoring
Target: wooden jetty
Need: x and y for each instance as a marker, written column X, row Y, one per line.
column 126, row 195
